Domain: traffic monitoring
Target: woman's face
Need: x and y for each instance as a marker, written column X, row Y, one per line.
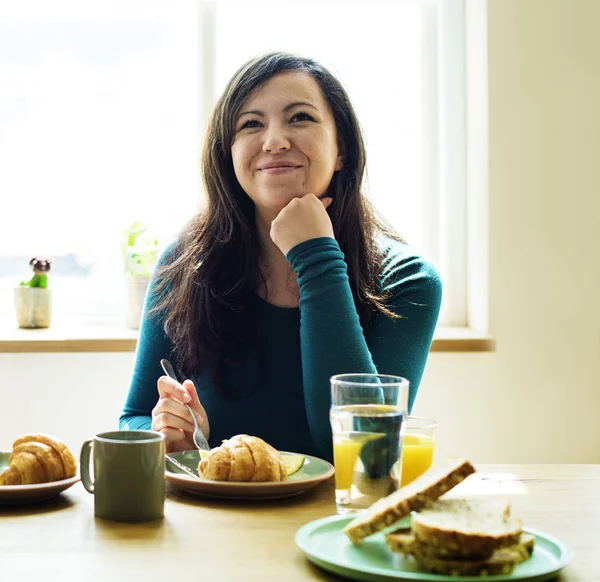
column 285, row 142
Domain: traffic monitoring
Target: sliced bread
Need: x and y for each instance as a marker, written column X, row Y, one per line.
column 527, row 542
column 413, row 497
column 502, row 561
column 404, row 542
column 466, row 527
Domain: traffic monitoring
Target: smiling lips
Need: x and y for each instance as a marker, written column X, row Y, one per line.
column 279, row 168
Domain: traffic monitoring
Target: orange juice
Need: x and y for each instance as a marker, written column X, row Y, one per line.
column 366, row 445
column 417, row 456
column 345, row 455
column 346, row 449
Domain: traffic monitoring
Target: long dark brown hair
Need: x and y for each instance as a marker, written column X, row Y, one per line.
column 206, row 287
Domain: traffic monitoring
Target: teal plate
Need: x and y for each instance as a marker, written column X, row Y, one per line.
column 17, row 494
column 326, row 545
column 312, row 472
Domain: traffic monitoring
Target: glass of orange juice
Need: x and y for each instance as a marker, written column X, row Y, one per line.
column 368, row 413
column 417, row 448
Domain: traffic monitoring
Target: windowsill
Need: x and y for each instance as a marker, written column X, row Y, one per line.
column 72, row 337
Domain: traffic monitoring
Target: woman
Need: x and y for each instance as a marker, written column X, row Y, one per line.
column 285, row 279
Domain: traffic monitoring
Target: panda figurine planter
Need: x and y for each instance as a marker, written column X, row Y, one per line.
column 33, row 298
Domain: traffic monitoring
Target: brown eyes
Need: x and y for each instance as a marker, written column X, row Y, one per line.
column 302, row 116
column 254, row 123
column 251, row 123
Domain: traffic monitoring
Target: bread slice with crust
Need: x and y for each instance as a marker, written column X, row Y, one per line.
column 467, row 527
column 501, row 562
column 464, row 537
column 527, row 543
column 402, row 541
column 413, row 497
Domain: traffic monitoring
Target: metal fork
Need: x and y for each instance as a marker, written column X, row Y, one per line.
column 198, row 436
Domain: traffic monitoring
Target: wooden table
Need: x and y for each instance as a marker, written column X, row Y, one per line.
column 208, row 540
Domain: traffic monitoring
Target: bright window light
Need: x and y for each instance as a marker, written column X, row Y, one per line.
column 103, row 106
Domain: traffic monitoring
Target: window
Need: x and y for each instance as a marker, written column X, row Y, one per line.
column 98, row 109
column 103, row 109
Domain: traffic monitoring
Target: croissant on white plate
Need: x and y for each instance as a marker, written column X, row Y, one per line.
column 243, row 458
column 38, row 458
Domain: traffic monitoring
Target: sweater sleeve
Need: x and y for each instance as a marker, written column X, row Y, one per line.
column 153, row 345
column 332, row 339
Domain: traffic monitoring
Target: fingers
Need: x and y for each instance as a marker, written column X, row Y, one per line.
column 169, row 388
column 326, row 202
column 172, row 418
column 170, row 414
column 300, row 220
column 171, row 435
column 309, row 198
column 197, row 407
column 183, row 445
column 176, row 440
column 324, row 199
column 194, row 401
column 303, row 202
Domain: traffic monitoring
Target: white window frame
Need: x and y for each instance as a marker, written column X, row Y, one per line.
column 477, row 148
column 444, row 195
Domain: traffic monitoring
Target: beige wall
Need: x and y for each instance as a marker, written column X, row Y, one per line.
column 537, row 398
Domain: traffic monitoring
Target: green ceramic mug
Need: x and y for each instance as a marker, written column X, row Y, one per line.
column 129, row 474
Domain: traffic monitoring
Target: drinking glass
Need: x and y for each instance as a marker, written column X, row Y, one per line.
column 417, row 448
column 368, row 413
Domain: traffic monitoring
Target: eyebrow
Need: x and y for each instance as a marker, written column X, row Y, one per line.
column 285, row 109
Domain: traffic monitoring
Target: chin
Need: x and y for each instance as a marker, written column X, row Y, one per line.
column 278, row 199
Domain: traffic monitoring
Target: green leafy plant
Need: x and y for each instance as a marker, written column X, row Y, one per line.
column 41, row 267
column 140, row 248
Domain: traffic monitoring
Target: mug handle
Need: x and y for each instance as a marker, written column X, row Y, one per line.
column 84, row 466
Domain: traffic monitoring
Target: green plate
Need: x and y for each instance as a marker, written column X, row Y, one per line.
column 312, row 472
column 325, row 544
column 17, row 494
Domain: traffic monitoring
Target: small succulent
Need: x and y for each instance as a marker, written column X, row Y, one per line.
column 140, row 249
column 41, row 267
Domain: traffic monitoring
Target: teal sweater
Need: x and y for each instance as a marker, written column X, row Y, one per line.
column 280, row 379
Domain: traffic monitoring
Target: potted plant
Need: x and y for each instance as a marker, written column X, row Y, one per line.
column 33, row 298
column 140, row 248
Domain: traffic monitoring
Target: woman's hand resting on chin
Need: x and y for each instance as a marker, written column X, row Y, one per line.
column 302, row 219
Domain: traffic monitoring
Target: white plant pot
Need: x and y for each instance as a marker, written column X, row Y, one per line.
column 136, row 296
column 33, row 306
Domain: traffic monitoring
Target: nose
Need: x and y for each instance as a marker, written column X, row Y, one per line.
column 275, row 141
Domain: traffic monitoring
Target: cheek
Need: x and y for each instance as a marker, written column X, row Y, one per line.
column 315, row 145
column 239, row 160
column 235, row 154
column 326, row 148
column 324, row 156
